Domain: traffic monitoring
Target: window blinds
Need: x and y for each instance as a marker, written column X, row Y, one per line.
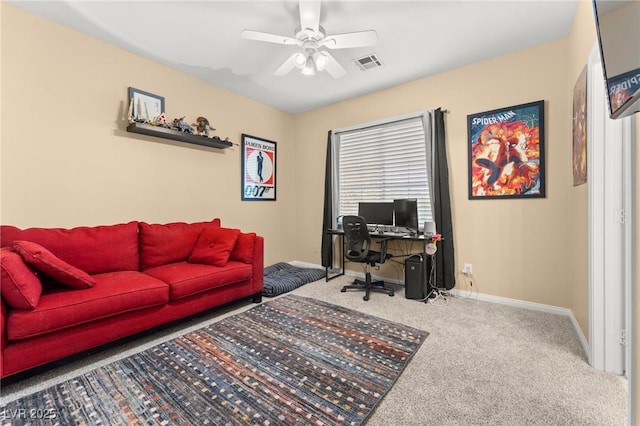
column 383, row 163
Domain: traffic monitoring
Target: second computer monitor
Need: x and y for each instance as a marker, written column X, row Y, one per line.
column 406, row 212
column 376, row 213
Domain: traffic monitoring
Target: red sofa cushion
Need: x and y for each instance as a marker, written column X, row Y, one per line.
column 114, row 293
column 20, row 287
column 47, row 263
column 94, row 250
column 161, row 244
column 185, row 279
column 214, row 246
column 243, row 250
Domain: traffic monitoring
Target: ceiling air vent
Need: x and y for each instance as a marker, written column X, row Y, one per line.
column 368, row 62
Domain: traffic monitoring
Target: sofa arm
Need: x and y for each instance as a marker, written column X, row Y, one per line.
column 258, row 265
column 3, row 334
column 4, row 311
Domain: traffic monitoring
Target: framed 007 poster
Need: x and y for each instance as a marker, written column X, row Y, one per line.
column 258, row 169
column 506, row 152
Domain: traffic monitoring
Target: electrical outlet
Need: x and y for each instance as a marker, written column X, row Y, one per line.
column 467, row 269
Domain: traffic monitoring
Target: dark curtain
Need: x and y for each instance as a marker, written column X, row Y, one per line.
column 445, row 265
column 326, row 249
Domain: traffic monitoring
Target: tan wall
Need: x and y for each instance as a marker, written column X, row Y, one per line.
column 67, row 160
column 518, row 247
column 581, row 40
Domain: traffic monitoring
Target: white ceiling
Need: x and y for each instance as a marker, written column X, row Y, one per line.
column 415, row 39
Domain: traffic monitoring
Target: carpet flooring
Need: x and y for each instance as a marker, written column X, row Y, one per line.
column 483, row 363
column 290, row 361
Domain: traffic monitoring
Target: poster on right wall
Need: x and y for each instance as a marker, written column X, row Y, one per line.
column 506, row 152
column 580, row 129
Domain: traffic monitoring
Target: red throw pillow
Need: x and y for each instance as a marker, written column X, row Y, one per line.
column 21, row 288
column 243, row 250
column 161, row 244
column 47, row 263
column 214, row 246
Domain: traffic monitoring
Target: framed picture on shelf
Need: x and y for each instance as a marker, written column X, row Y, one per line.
column 258, row 169
column 506, row 152
column 145, row 106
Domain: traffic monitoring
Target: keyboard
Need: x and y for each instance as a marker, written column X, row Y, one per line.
column 392, row 234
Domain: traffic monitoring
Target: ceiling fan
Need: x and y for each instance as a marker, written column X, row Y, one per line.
column 310, row 36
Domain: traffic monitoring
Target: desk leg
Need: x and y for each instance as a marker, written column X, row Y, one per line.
column 342, row 261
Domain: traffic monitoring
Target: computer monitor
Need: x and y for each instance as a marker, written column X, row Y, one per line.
column 376, row 213
column 406, row 214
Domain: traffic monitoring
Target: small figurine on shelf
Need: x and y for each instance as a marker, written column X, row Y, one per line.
column 182, row 125
column 203, row 127
column 131, row 118
column 160, row 120
column 130, row 112
column 430, row 248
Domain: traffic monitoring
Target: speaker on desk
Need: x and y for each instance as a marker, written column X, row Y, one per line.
column 416, row 276
column 429, row 227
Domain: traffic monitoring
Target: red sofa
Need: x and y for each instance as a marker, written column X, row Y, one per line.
column 65, row 291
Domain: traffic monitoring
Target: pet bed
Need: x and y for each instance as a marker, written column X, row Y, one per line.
column 283, row 277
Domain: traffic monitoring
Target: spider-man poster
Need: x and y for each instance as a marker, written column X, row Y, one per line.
column 506, row 152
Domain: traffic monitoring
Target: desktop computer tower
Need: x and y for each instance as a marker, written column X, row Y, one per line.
column 416, row 276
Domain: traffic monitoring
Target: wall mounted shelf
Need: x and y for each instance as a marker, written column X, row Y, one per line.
column 176, row 135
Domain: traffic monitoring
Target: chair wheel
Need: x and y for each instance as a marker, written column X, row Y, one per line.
column 365, row 298
column 344, row 290
column 391, row 294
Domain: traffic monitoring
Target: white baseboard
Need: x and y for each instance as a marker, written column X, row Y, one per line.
column 583, row 340
column 540, row 307
column 347, row 272
column 301, row 264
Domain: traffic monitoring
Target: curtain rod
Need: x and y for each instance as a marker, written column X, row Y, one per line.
column 383, row 121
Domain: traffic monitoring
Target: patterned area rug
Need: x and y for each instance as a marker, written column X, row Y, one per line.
column 289, row 361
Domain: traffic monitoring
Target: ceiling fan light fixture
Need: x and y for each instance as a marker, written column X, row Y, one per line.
column 320, row 60
column 309, row 67
column 300, row 60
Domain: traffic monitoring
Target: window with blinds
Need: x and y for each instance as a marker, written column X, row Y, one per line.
column 381, row 163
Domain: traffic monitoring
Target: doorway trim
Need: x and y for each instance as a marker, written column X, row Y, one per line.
column 611, row 216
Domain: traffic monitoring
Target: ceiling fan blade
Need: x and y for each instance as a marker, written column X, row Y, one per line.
column 288, row 65
column 332, row 66
column 269, row 38
column 348, row 40
column 310, row 14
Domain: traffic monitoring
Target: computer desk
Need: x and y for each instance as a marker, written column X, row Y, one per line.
column 383, row 236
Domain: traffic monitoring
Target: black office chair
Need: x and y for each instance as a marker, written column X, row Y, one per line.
column 358, row 244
